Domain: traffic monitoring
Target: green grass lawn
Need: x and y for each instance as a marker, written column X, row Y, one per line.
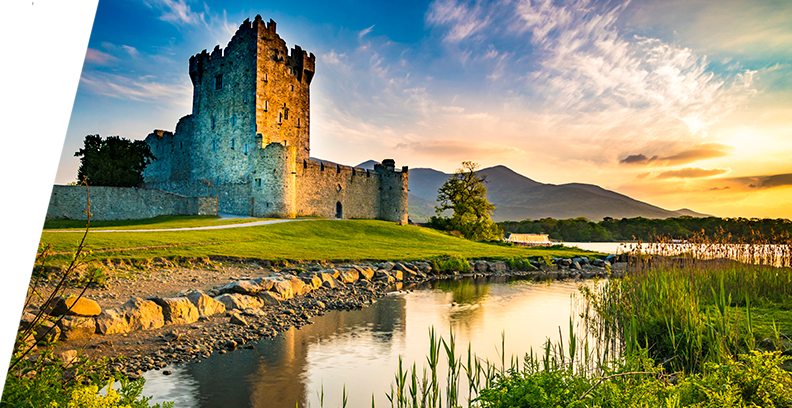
column 161, row 222
column 305, row 240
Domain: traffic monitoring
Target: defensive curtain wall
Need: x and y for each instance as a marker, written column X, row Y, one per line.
column 120, row 203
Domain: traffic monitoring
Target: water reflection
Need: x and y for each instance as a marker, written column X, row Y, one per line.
column 360, row 349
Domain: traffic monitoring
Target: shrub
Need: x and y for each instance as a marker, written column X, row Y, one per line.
column 454, row 263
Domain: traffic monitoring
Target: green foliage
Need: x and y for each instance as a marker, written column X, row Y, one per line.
column 466, row 195
column 115, row 161
column 688, row 317
column 520, row 264
column 42, row 379
column 582, row 230
column 454, row 263
column 753, row 380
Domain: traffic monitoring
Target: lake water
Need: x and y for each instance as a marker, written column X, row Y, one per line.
column 360, row 349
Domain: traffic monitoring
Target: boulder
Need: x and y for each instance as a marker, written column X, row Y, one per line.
column 270, row 298
column 143, row 314
column 283, row 288
column 387, row 265
column 348, row 276
column 47, row 331
column 74, row 306
column 424, row 267
column 331, row 283
column 77, row 327
column 265, row 283
column 498, row 267
column 254, row 312
column 237, row 301
column 386, row 278
column 177, row 310
column 481, row 266
column 311, row 279
column 245, row 287
column 397, row 274
column 298, row 287
column 205, row 304
column 237, row 319
column 112, row 321
column 365, row 273
column 66, row 357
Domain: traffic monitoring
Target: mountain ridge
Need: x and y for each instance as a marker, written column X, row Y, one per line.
column 517, row 197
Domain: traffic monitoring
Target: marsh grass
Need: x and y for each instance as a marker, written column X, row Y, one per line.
column 674, row 332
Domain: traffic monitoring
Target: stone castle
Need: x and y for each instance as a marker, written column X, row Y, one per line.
column 247, row 141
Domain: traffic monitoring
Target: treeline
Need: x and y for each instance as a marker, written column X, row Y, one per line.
column 626, row 229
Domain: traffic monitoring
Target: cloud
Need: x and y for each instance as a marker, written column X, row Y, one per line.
column 145, row 89
column 695, row 153
column 691, row 172
column 177, row 12
column 763, row 182
column 94, row 56
column 461, row 20
column 363, row 32
column 132, row 51
column 461, row 149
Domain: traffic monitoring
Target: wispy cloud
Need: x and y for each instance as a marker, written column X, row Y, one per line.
column 461, row 150
column 176, row 12
column 145, row 89
column 690, row 155
column 94, row 56
column 364, row 32
column 461, row 20
column 691, row 172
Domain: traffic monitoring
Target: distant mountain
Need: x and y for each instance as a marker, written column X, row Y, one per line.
column 369, row 165
column 517, row 197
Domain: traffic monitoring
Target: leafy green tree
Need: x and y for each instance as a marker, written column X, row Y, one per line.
column 466, row 195
column 115, row 161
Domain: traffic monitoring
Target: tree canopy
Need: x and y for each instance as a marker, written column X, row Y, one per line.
column 646, row 229
column 466, row 195
column 114, row 162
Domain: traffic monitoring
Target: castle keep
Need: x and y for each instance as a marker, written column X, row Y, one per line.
column 247, row 141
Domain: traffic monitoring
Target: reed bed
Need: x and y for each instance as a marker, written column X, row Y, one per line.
column 679, row 330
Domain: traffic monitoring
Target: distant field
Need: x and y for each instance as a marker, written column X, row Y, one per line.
column 161, row 222
column 305, row 240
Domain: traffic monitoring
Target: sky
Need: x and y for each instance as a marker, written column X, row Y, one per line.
column 677, row 103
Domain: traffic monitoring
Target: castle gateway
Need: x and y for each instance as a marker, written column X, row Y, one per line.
column 247, row 141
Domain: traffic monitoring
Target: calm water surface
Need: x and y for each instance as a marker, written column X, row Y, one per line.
column 360, row 349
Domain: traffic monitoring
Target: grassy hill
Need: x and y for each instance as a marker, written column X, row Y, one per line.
column 296, row 240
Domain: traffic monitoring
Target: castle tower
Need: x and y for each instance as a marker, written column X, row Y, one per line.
column 253, row 87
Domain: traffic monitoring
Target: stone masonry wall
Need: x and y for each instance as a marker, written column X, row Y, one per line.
column 320, row 186
column 121, row 203
column 231, row 198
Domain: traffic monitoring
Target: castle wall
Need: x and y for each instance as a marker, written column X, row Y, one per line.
column 121, row 203
column 274, row 187
column 231, row 198
column 319, row 190
column 393, row 193
column 283, row 91
column 224, row 113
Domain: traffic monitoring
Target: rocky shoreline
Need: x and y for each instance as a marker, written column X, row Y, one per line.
column 150, row 334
